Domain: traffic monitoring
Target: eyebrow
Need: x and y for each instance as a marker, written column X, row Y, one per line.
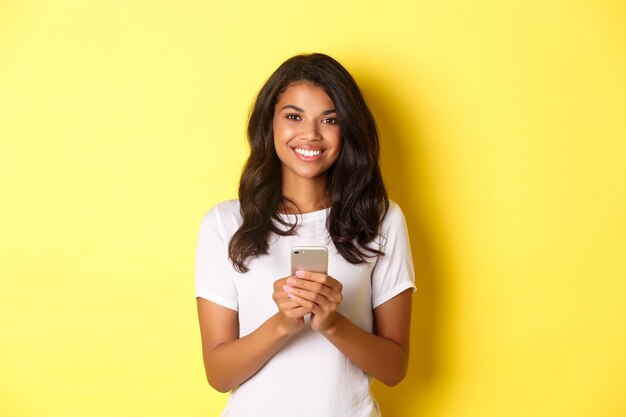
column 301, row 110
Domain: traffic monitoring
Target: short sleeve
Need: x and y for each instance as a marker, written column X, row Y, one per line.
column 214, row 274
column 393, row 272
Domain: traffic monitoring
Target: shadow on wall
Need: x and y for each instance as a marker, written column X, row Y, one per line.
column 401, row 164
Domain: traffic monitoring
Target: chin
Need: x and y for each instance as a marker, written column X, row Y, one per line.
column 308, row 174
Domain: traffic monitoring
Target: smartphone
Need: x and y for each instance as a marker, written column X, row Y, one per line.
column 309, row 258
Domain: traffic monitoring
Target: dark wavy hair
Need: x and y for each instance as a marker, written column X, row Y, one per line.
column 354, row 183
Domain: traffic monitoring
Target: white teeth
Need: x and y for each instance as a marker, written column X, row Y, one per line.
column 307, row 152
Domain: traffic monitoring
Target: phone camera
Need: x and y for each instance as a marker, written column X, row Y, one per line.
column 296, row 252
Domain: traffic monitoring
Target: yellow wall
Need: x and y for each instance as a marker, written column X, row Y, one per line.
column 504, row 140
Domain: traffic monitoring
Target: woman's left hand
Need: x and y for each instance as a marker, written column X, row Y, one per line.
column 319, row 293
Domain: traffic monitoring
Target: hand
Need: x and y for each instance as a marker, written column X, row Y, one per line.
column 318, row 293
column 290, row 313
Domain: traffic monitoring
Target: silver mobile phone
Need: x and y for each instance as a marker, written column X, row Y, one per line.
column 309, row 258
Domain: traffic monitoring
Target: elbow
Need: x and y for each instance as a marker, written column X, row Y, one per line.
column 217, row 381
column 216, row 378
column 396, row 373
column 218, row 385
column 220, row 388
column 394, row 379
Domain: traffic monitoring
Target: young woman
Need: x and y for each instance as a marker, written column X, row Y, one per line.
column 306, row 344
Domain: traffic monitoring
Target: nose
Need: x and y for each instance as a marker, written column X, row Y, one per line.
column 310, row 131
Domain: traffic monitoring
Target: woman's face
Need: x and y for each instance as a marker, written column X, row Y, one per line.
column 307, row 138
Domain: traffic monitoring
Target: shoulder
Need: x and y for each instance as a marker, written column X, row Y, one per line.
column 224, row 216
column 225, row 209
column 394, row 215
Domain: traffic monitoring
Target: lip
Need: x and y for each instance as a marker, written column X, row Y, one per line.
column 308, row 148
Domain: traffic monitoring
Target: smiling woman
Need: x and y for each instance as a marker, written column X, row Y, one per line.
column 307, row 139
column 306, row 344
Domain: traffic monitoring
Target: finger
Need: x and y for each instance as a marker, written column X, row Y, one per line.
column 297, row 313
column 278, row 284
column 287, row 304
column 312, row 296
column 306, row 304
column 331, row 294
column 321, row 278
column 279, row 291
column 279, row 295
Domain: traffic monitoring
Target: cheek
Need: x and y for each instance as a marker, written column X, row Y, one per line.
column 337, row 148
column 281, row 133
column 275, row 129
column 338, row 141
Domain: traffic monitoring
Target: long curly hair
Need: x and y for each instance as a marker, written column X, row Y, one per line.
column 355, row 186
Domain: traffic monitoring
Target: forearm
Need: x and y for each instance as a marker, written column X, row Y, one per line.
column 231, row 363
column 378, row 356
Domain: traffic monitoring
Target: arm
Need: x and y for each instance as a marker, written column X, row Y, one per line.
column 384, row 354
column 229, row 360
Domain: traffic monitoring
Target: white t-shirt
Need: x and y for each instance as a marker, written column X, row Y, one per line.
column 309, row 376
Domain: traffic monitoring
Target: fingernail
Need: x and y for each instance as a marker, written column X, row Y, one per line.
column 287, row 288
column 291, row 281
column 300, row 274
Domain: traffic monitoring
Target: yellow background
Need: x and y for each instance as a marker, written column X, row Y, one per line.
column 504, row 140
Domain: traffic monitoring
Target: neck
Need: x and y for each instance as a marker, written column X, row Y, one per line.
column 308, row 194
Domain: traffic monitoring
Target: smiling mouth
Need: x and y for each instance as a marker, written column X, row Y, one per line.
column 308, row 152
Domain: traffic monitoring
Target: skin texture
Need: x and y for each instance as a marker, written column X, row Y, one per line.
column 304, row 119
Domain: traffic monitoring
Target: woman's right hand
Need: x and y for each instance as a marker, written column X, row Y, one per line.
column 290, row 314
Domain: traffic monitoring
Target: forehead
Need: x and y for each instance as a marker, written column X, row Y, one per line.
column 305, row 95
